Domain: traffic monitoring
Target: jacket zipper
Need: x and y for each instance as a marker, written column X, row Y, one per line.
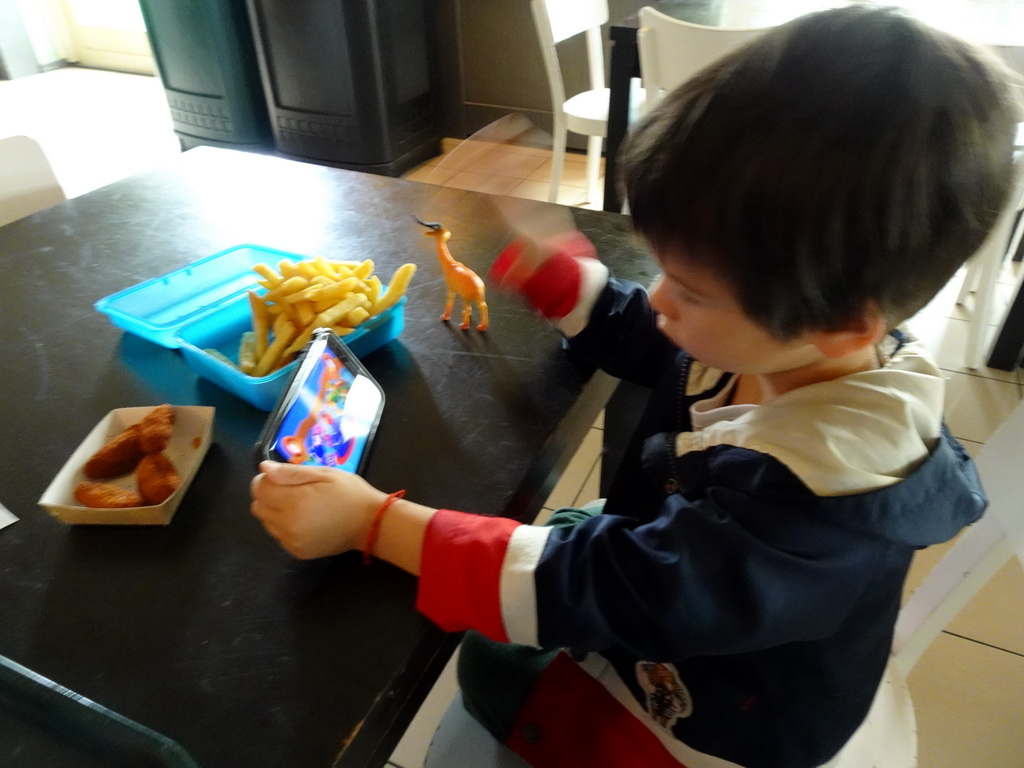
column 673, row 484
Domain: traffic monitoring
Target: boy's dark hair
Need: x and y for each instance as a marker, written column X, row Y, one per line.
column 849, row 159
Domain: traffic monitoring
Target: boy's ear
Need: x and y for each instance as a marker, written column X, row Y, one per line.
column 861, row 332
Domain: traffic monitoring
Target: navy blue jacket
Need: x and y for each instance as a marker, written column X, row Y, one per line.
column 737, row 597
column 775, row 603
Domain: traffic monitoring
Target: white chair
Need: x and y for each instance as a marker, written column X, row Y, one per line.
column 27, row 182
column 672, row 51
column 587, row 112
column 888, row 738
column 983, row 268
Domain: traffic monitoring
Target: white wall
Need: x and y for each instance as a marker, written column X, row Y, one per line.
column 41, row 27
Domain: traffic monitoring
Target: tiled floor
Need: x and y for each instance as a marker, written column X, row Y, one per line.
column 505, row 169
column 99, row 126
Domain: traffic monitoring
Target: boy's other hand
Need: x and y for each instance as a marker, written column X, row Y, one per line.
column 550, row 274
column 313, row 511
column 548, row 259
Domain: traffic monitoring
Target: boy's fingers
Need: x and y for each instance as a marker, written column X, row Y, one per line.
column 263, row 511
column 505, row 262
column 516, row 264
column 293, row 474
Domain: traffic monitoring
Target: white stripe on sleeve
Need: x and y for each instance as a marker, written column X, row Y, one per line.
column 593, row 278
column 517, row 589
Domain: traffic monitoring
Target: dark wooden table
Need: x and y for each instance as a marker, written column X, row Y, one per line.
column 204, row 630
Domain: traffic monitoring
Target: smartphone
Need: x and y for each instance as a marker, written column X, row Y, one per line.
column 329, row 411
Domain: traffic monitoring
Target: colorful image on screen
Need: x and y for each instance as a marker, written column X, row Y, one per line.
column 330, row 421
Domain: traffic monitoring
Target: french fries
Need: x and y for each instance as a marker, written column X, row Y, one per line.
column 302, row 296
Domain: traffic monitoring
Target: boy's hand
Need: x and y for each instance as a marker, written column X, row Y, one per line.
column 550, row 263
column 314, row 511
column 557, row 276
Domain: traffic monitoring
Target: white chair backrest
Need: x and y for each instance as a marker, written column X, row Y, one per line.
column 558, row 20
column 27, row 182
column 567, row 18
column 977, row 555
column 672, row 51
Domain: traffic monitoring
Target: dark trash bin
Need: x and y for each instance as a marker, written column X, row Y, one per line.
column 349, row 83
column 204, row 52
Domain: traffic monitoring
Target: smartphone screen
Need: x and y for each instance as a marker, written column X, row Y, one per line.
column 331, row 416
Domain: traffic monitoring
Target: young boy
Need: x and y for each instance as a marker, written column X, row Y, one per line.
column 734, row 603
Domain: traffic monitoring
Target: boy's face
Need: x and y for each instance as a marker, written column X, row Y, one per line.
column 699, row 313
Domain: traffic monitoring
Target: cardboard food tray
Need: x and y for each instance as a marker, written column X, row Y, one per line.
column 193, row 432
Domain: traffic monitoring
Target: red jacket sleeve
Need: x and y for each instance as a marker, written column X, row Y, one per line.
column 460, row 572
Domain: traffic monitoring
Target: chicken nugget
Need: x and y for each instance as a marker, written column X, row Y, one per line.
column 155, row 429
column 118, row 457
column 157, row 477
column 106, row 495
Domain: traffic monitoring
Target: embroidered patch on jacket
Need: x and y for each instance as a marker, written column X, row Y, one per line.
column 667, row 697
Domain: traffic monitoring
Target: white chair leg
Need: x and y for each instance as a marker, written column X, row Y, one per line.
column 558, row 139
column 989, row 262
column 594, row 144
column 970, row 280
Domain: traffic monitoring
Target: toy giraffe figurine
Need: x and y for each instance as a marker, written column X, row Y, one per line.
column 460, row 279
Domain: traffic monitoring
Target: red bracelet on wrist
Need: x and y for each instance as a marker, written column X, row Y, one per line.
column 371, row 536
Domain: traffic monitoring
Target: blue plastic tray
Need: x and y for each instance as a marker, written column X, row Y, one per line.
column 159, row 308
column 222, row 330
